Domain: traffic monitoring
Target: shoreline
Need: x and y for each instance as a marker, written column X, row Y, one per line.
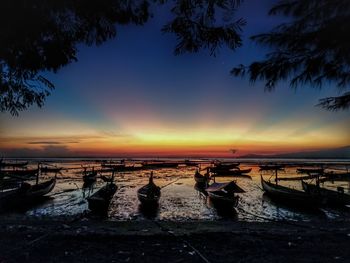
column 87, row 240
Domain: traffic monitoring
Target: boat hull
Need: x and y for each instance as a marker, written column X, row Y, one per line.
column 328, row 197
column 27, row 195
column 288, row 196
column 222, row 200
column 99, row 202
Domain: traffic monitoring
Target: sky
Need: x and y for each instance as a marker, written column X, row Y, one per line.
column 131, row 97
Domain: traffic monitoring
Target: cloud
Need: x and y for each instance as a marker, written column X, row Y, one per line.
column 50, row 142
column 44, row 142
column 45, row 151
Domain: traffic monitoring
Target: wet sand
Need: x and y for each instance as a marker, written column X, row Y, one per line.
column 87, row 240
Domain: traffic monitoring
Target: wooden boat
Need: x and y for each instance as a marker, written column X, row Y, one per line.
column 26, row 193
column 332, row 176
column 154, row 165
column 224, row 193
column 235, row 172
column 47, row 169
column 26, row 172
column 288, row 195
column 224, row 166
column 190, row 163
column 310, row 170
column 201, row 179
column 13, row 164
column 113, row 164
column 267, row 167
column 90, row 178
column 327, row 196
column 201, row 189
column 298, row 178
column 99, row 202
column 150, row 193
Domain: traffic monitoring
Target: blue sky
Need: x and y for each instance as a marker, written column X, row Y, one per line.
column 134, row 87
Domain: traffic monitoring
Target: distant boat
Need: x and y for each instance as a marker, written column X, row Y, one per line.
column 310, row 170
column 224, row 193
column 331, row 176
column 112, row 163
column 26, row 172
column 159, row 164
column 227, row 166
column 190, row 163
column 288, row 195
column 47, row 169
column 235, row 172
column 271, row 167
column 150, row 193
column 327, row 196
column 223, row 167
column 13, row 164
column 99, row 202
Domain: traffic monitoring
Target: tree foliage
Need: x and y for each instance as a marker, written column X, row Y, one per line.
column 313, row 47
column 42, row 35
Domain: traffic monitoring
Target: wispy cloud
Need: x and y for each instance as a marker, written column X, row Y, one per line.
column 50, row 142
column 46, row 151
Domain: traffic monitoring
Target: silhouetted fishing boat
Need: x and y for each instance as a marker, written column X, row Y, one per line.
column 26, row 193
column 288, row 195
column 234, row 172
column 224, row 193
column 226, row 166
column 190, row 163
column 13, row 164
column 113, row 164
column 332, row 176
column 150, row 193
column 160, row 164
column 310, row 170
column 47, row 169
column 200, row 188
column 89, row 177
column 24, row 172
column 327, row 196
column 268, row 167
column 200, row 178
column 99, row 202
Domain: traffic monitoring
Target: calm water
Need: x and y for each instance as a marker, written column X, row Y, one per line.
column 179, row 200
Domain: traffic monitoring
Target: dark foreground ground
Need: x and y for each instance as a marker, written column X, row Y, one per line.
column 149, row 241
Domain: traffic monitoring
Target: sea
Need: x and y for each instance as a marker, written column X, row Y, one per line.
column 181, row 199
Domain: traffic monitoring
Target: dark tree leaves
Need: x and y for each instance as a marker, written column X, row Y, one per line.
column 38, row 35
column 205, row 24
column 314, row 48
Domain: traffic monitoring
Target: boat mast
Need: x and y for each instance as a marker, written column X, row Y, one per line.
column 37, row 174
column 276, row 176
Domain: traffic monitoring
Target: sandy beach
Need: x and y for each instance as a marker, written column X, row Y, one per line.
column 87, row 240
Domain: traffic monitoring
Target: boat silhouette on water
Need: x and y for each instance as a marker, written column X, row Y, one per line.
column 234, row 172
column 327, row 196
column 200, row 178
column 26, row 194
column 288, row 195
column 149, row 194
column 224, row 194
column 99, row 202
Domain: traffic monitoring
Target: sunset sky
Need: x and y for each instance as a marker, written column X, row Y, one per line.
column 132, row 97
